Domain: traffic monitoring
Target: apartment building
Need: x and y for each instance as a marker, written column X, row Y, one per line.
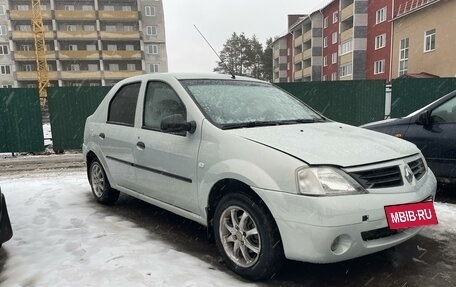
column 281, row 64
column 331, row 41
column 88, row 42
column 422, row 42
column 307, row 47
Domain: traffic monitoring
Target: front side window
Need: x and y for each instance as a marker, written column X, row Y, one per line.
column 161, row 101
column 429, row 40
column 233, row 104
column 122, row 108
column 445, row 113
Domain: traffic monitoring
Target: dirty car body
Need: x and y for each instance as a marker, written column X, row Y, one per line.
column 269, row 176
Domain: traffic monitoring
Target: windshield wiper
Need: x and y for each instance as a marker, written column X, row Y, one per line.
column 269, row 123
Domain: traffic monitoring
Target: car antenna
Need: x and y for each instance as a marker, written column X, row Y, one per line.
column 233, row 76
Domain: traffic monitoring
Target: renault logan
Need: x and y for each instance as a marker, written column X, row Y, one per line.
column 270, row 177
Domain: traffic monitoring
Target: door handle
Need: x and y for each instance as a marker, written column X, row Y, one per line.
column 102, row 135
column 141, row 145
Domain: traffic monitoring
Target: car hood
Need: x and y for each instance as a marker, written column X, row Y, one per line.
column 329, row 143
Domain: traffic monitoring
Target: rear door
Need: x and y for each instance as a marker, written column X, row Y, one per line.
column 437, row 141
column 117, row 137
column 166, row 163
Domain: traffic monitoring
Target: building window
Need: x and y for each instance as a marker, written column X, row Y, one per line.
column 5, row 70
column 27, row 68
column 87, row 7
column 111, row 28
column 108, row 8
column 129, row 47
column 126, row 8
column 379, row 67
column 325, row 42
column 150, row 10
column 114, row 67
column 151, row 30
column 24, row 28
column 288, row 66
column 380, row 41
column 92, row 67
column 346, row 47
column 4, row 50
column 72, row 47
column 89, row 28
column 22, row 7
column 334, row 37
column 380, row 15
column 429, row 40
column 403, row 56
column 325, row 61
column 152, row 49
column 346, row 70
column 128, row 28
column 334, row 58
column 71, row 27
column 154, row 68
column 69, row 7
column 325, row 22
column 91, row 47
column 112, row 47
column 335, row 17
column 2, row 9
column 3, row 30
column 288, row 52
column 26, row 47
column 334, row 76
column 324, row 78
column 75, row 67
column 131, row 67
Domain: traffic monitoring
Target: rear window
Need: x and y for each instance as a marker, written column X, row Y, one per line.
column 122, row 108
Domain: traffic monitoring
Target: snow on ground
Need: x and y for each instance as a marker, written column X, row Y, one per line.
column 446, row 216
column 62, row 239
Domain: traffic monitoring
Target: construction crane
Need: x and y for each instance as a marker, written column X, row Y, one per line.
column 40, row 50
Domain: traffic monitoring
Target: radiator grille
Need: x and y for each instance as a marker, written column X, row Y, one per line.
column 379, row 178
column 418, row 168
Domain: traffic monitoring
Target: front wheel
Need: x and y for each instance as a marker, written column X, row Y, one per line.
column 101, row 189
column 247, row 237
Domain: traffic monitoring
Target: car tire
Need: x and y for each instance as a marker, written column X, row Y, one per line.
column 101, row 189
column 247, row 237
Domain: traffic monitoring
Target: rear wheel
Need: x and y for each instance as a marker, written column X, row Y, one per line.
column 247, row 237
column 101, row 189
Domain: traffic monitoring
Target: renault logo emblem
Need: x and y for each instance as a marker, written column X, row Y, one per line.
column 408, row 174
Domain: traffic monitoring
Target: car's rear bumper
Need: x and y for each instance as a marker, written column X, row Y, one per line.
column 332, row 229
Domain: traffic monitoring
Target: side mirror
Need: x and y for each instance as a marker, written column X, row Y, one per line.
column 177, row 124
column 424, row 119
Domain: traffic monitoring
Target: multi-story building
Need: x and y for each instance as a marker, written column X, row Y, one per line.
column 330, row 41
column 423, row 38
column 88, row 42
column 307, row 47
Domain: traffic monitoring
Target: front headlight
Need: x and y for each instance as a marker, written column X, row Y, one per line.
column 327, row 181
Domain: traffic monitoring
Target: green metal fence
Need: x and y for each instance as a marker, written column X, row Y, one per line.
column 351, row 102
column 69, row 108
column 20, row 121
column 412, row 94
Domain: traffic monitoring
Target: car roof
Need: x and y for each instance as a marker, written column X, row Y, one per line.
column 190, row 76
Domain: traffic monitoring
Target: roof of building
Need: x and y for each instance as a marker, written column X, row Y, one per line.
column 412, row 6
column 422, row 75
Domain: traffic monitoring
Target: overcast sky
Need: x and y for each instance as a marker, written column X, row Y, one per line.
column 217, row 20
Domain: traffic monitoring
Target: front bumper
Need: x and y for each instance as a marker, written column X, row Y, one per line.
column 332, row 229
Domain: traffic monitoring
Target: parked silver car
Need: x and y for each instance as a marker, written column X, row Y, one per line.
column 269, row 177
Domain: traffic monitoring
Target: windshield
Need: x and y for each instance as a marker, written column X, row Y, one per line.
column 231, row 104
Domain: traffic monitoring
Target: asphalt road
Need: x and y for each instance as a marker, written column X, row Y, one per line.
column 418, row 262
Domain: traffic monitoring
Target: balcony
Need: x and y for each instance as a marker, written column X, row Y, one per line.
column 347, row 12
column 27, row 15
column 122, row 55
column 307, row 36
column 298, row 41
column 80, row 75
column 276, row 53
column 298, row 75
column 119, row 35
column 346, row 58
column 307, row 72
column 28, row 35
column 307, row 54
column 75, row 15
column 118, row 15
column 79, row 55
column 121, row 74
column 298, row 58
column 32, row 76
column 30, row 55
column 77, row 35
column 346, row 35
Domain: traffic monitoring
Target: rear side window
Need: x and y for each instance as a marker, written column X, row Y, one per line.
column 160, row 102
column 123, row 105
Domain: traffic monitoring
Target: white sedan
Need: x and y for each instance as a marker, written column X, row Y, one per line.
column 270, row 177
